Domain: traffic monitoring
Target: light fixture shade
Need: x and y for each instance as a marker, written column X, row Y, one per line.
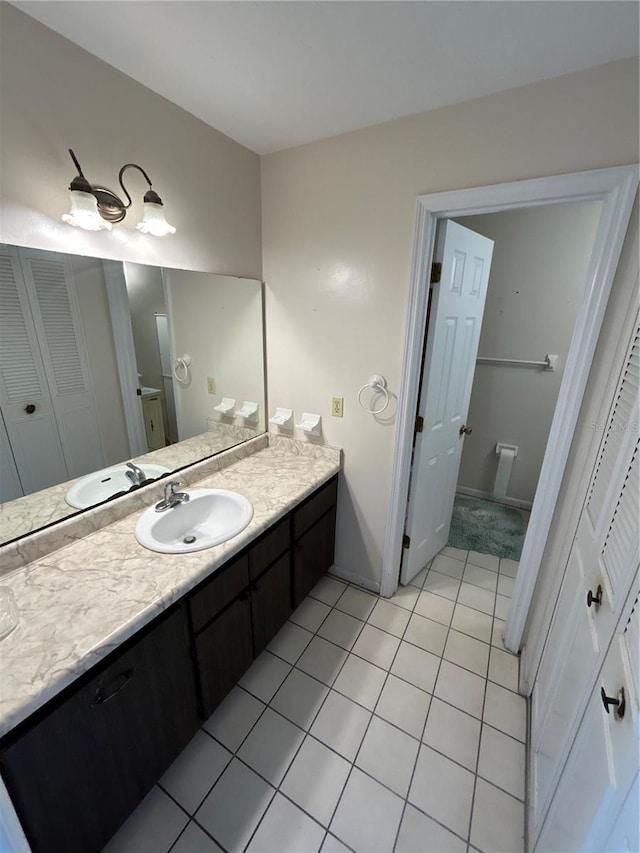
column 84, row 212
column 153, row 221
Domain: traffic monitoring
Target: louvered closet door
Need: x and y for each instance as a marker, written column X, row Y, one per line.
column 593, row 808
column 56, row 317
column 34, row 438
column 605, row 553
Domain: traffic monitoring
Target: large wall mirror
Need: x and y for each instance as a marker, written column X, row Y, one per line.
column 115, row 373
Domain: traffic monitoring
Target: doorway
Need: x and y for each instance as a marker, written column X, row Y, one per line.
column 538, row 270
column 615, row 189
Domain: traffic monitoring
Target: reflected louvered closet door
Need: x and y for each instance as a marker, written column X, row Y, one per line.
column 603, row 561
column 56, row 316
column 24, row 395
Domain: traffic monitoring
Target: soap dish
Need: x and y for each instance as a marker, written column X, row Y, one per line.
column 9, row 617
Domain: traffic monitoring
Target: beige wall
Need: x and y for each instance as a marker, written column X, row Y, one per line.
column 217, row 320
column 55, row 96
column 338, row 220
column 540, row 260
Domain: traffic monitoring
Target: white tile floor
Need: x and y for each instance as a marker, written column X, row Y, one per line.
column 368, row 725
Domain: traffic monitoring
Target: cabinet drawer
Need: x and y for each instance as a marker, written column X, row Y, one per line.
column 269, row 548
column 222, row 588
column 316, row 506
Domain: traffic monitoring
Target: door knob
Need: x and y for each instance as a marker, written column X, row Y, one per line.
column 617, row 701
column 595, row 599
column 465, row 430
column 30, row 408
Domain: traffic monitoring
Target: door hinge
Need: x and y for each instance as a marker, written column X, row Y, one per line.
column 436, row 272
column 419, row 423
column 406, row 541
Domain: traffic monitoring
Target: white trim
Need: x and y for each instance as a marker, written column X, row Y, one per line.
column 125, row 356
column 615, row 188
column 488, row 496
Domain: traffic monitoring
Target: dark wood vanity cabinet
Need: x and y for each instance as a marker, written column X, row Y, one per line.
column 78, row 767
column 79, row 770
column 236, row 613
column 314, row 532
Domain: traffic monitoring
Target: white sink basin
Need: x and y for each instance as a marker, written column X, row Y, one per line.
column 208, row 518
column 100, row 485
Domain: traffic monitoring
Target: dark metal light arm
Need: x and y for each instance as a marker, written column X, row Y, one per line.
column 110, row 205
column 156, row 197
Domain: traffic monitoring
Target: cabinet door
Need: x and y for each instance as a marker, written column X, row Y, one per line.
column 218, row 591
column 589, row 803
column 313, row 555
column 224, row 650
column 80, row 771
column 153, row 422
column 271, row 602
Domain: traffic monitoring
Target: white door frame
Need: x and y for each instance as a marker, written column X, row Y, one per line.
column 120, row 312
column 615, row 188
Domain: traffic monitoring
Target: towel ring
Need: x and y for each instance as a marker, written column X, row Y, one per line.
column 181, row 365
column 378, row 384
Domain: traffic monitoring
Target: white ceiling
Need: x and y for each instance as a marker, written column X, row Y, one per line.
column 276, row 74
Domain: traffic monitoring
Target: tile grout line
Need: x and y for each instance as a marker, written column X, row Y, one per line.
column 307, row 732
column 404, row 809
column 355, row 758
column 484, row 701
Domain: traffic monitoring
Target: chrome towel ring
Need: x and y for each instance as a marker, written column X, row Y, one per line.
column 181, row 368
column 378, row 385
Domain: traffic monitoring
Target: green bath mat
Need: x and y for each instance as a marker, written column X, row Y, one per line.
column 487, row 527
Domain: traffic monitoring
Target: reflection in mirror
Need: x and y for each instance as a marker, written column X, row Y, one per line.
column 104, row 363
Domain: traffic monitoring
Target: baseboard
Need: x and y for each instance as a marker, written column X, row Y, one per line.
column 488, row 496
column 353, row 577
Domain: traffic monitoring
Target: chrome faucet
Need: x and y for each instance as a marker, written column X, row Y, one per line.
column 171, row 497
column 136, row 476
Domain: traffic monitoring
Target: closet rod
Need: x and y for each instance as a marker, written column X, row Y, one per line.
column 549, row 362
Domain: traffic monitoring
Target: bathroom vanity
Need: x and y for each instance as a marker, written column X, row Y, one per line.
column 93, row 713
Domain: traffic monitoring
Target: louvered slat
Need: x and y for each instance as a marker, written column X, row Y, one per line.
column 621, row 541
column 17, row 361
column 623, row 416
column 57, row 320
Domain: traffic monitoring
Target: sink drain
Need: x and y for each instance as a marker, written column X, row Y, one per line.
column 189, row 540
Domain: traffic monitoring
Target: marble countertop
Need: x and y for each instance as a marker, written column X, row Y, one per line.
column 80, row 602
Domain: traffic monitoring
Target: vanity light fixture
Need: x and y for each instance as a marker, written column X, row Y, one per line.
column 95, row 208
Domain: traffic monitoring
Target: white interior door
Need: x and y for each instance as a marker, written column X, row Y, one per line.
column 10, row 485
column 24, row 393
column 453, row 335
column 604, row 557
column 56, row 316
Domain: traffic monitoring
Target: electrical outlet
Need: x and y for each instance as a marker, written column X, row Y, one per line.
column 211, row 385
column 337, row 407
